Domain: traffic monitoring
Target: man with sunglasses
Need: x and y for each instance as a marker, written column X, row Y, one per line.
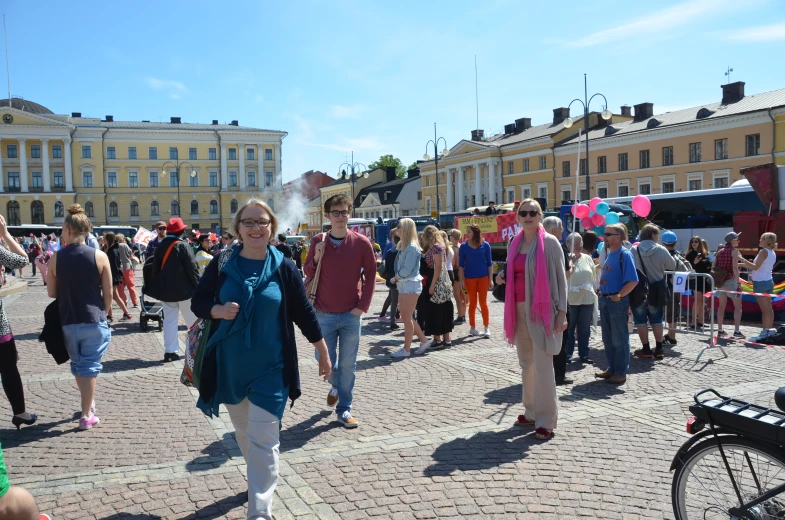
column 160, row 230
column 341, row 298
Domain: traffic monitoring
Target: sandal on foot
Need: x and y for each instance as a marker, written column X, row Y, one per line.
column 658, row 354
column 523, row 421
column 543, row 434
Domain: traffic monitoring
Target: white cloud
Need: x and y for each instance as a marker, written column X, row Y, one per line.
column 163, row 84
column 657, row 23
column 175, row 96
column 350, row 145
column 352, row 112
column 762, row 33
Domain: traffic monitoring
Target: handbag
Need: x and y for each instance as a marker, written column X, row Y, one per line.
column 718, row 274
column 442, row 292
column 658, row 291
column 640, row 292
column 499, row 292
column 313, row 284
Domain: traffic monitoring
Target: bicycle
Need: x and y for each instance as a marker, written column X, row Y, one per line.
column 735, row 469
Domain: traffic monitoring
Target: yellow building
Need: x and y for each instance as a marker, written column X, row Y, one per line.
column 126, row 172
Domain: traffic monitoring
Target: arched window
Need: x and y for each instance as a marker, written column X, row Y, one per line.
column 155, row 209
column 194, row 207
column 174, row 207
column 13, row 214
column 213, row 207
column 134, row 209
column 59, row 209
column 37, row 208
column 88, row 209
column 271, row 203
column 113, row 209
column 233, row 206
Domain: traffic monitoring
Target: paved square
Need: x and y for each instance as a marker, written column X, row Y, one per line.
column 436, row 436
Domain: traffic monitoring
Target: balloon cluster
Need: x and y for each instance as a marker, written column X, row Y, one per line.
column 597, row 214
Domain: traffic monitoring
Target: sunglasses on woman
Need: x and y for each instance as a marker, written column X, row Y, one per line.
column 532, row 213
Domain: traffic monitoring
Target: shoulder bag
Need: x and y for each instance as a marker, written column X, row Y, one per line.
column 658, row 291
column 640, row 292
column 313, row 284
column 442, row 292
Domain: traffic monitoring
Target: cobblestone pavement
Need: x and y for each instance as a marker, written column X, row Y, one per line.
column 436, row 438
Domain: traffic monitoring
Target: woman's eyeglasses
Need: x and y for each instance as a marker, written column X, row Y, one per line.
column 696, row 241
column 532, row 213
column 250, row 223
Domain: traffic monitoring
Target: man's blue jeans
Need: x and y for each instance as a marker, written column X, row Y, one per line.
column 580, row 317
column 615, row 334
column 341, row 328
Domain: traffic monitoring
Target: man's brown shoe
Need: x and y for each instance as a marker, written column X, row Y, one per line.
column 332, row 397
column 617, row 380
column 603, row 375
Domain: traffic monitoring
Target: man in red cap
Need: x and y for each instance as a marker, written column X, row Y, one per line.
column 178, row 275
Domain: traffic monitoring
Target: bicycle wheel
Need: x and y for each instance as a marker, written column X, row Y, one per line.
column 702, row 488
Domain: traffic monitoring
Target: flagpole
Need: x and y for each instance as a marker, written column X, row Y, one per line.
column 577, row 189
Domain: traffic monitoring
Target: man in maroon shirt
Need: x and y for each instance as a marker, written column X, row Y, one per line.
column 346, row 284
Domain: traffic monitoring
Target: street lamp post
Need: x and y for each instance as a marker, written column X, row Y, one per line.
column 445, row 152
column 606, row 114
column 177, row 164
column 362, row 171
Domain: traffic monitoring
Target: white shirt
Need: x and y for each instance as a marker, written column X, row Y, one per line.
column 764, row 273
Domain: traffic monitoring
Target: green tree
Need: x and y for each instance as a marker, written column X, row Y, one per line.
column 412, row 166
column 389, row 160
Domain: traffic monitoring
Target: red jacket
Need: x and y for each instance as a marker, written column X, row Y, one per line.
column 339, row 288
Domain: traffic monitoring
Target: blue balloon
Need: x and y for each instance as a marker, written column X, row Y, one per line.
column 600, row 246
column 611, row 218
column 591, row 213
column 602, row 208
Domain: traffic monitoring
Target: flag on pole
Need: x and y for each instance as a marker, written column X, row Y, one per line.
column 143, row 236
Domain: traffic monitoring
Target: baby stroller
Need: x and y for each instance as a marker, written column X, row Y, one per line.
column 150, row 311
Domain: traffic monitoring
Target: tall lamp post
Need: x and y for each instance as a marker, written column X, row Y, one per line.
column 360, row 168
column 445, row 152
column 606, row 115
column 177, row 164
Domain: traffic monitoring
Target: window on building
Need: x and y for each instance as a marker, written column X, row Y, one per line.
column 113, row 209
column 232, row 178
column 623, row 191
column 213, row 207
column 37, row 210
column 668, row 187
column 720, row 182
column 233, row 206
column 12, row 213
column 644, row 159
column 35, row 151
column 268, row 154
column 583, row 165
column 211, row 154
column 720, row 149
column 172, row 179
column 667, row 156
column 428, row 205
column 510, row 195
column 644, row 189
column 13, row 181
column 249, row 154
column 213, row 179
column 155, row 209
column 89, row 210
column 194, row 207
column 565, row 168
column 542, row 162
column 268, row 179
column 526, row 165
column 87, row 151
column 753, row 145
column 543, row 192
column 173, row 153
column 251, row 178
column 152, row 152
column 192, row 154
column 526, row 193
column 59, row 209
column 566, row 196
column 696, row 184
column 57, row 151
column 510, row 168
column 193, row 181
column 602, row 164
column 59, row 181
column 232, row 154
column 38, row 181
column 111, row 153
column 419, row 195
column 153, row 179
column 11, row 151
column 132, row 152
column 133, row 179
column 623, row 162
column 695, row 152
column 174, row 208
column 134, row 209
column 584, row 194
column 87, row 179
column 602, row 193
column 111, row 180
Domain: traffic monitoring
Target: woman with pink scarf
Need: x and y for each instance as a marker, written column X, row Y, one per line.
column 535, row 315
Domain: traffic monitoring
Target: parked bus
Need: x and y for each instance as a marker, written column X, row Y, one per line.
column 364, row 226
column 34, row 229
column 127, row 231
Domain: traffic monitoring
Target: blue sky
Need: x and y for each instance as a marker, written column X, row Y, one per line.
column 374, row 76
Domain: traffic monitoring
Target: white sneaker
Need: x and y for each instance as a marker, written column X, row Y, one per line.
column 474, row 332
column 765, row 333
column 487, row 332
column 425, row 345
column 401, row 352
column 348, row 421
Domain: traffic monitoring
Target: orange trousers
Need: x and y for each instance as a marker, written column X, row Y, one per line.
column 478, row 288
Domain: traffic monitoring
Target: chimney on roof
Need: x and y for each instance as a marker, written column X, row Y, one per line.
column 109, row 119
column 174, row 120
column 391, row 176
column 234, row 122
column 414, row 172
column 477, row 135
column 732, row 92
column 522, row 124
column 626, row 110
column 145, row 120
column 76, row 114
column 509, row 129
column 560, row 114
column 643, row 111
column 215, row 121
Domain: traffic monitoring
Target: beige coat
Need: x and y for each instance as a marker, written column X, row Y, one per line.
column 557, row 279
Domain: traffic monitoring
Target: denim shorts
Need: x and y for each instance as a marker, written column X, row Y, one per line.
column 86, row 344
column 645, row 314
column 409, row 287
column 766, row 286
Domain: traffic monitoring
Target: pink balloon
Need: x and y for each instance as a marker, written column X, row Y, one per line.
column 586, row 222
column 641, row 205
column 602, row 239
column 593, row 203
column 582, row 210
column 636, row 243
column 574, row 210
column 598, row 220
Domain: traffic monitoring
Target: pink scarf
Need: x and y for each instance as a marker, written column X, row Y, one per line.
column 541, row 295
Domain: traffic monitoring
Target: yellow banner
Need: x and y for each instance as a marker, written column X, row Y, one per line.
column 486, row 224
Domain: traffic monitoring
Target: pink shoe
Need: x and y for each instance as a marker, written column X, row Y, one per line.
column 85, row 423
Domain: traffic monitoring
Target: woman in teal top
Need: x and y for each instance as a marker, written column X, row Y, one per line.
column 250, row 361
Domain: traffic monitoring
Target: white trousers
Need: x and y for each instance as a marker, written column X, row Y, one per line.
column 172, row 312
column 256, row 431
